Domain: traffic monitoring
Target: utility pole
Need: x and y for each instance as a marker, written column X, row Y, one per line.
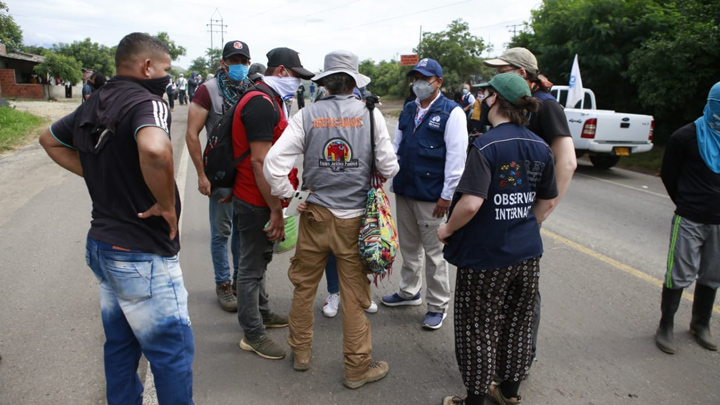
column 514, row 28
column 216, row 22
column 420, row 38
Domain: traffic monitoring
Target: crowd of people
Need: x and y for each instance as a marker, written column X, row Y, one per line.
column 457, row 201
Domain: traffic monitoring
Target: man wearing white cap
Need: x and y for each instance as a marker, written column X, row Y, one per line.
column 182, row 84
column 334, row 136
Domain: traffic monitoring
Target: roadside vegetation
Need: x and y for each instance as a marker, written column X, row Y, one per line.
column 648, row 162
column 16, row 127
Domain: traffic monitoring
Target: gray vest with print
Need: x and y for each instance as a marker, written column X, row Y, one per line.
column 217, row 102
column 337, row 152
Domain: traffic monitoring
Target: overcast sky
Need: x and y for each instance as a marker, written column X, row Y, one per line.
column 373, row 29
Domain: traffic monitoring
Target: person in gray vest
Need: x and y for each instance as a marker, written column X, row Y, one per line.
column 334, row 136
column 431, row 142
column 209, row 103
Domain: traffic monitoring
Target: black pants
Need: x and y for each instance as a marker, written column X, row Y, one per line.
column 493, row 323
column 171, row 98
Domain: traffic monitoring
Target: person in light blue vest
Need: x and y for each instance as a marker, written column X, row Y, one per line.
column 430, row 141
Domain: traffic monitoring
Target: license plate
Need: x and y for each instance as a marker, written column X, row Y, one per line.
column 622, row 151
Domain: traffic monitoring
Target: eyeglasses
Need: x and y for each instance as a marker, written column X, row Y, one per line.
column 506, row 69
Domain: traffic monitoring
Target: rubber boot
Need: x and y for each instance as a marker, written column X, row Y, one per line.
column 664, row 337
column 701, row 313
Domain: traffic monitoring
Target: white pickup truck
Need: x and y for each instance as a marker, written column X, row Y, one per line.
column 605, row 135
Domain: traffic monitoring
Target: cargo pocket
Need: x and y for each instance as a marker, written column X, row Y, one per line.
column 130, row 280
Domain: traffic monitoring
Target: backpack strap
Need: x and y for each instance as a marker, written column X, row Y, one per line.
column 370, row 104
column 252, row 92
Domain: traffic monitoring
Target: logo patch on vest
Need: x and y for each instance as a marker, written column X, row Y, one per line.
column 510, row 175
column 337, row 155
column 435, row 122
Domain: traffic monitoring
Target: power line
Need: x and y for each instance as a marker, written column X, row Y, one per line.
column 217, row 22
column 383, row 20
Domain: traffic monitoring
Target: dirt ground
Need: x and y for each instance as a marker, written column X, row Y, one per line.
column 51, row 110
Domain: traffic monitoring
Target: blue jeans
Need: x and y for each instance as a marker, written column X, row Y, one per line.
column 257, row 252
column 331, row 275
column 223, row 225
column 143, row 305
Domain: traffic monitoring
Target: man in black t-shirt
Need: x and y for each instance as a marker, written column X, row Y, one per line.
column 549, row 123
column 119, row 142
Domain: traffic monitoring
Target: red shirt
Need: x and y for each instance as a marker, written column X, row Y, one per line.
column 257, row 118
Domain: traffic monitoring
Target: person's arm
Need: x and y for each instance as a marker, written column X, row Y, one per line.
column 471, row 101
column 197, row 116
column 156, row 164
column 463, row 212
column 258, row 152
column 456, row 142
column 62, row 154
column 259, row 117
column 547, row 194
column 671, row 165
column 281, row 158
column 565, row 163
column 385, row 158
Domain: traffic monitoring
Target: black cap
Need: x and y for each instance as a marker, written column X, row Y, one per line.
column 290, row 59
column 235, row 48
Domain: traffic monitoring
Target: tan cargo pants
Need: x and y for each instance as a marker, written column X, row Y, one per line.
column 319, row 234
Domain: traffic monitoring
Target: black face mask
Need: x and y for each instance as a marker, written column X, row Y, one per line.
column 484, row 112
column 156, row 86
column 99, row 81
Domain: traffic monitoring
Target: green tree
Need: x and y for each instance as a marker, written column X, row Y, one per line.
column 37, row 50
column 10, row 32
column 643, row 56
column 213, row 59
column 457, row 51
column 60, row 66
column 176, row 51
column 674, row 69
column 199, row 65
column 91, row 55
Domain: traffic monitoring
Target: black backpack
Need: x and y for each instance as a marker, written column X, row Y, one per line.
column 218, row 158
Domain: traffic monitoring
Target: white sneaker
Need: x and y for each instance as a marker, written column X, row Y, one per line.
column 332, row 303
column 372, row 309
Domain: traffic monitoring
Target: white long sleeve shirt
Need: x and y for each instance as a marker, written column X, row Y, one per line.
column 456, row 143
column 283, row 154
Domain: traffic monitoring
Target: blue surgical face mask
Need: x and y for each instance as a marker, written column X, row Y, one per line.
column 465, row 91
column 238, row 73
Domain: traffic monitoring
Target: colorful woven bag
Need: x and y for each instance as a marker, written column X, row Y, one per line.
column 378, row 241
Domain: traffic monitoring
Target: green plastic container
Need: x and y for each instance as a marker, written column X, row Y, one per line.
column 291, row 234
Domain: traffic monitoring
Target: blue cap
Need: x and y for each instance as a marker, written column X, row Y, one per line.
column 427, row 67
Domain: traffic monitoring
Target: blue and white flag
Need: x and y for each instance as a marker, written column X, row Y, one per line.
column 576, row 91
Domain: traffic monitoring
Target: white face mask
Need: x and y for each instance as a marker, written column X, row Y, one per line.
column 284, row 86
column 423, row 90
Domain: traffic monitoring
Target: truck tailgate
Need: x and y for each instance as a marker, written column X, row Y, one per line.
column 620, row 128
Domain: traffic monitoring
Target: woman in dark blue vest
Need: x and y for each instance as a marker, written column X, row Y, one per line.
column 493, row 237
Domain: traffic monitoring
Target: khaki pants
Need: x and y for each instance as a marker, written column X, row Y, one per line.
column 417, row 234
column 321, row 233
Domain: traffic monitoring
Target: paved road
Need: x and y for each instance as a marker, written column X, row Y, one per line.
column 605, row 250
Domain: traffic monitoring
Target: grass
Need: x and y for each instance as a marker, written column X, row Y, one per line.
column 16, row 126
column 648, row 162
